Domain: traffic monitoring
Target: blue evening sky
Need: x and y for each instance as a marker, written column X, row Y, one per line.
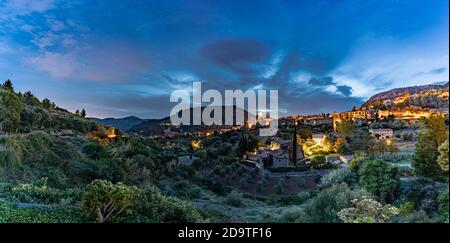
column 118, row 58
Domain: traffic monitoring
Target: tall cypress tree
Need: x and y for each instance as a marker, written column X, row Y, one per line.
column 294, row 145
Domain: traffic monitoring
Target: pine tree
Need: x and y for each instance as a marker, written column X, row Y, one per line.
column 7, row 85
column 83, row 113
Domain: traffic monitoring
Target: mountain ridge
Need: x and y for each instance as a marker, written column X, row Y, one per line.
column 410, row 95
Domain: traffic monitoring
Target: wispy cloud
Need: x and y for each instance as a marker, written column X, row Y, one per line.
column 25, row 7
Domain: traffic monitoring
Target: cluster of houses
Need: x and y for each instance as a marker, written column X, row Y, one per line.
column 275, row 154
column 365, row 116
column 279, row 153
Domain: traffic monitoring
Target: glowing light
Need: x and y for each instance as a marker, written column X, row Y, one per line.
column 111, row 133
column 195, row 144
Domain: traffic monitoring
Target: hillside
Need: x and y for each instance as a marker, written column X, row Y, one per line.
column 124, row 124
column 157, row 126
column 425, row 96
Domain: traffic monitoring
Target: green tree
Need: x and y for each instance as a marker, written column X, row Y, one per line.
column 153, row 207
column 46, row 103
column 345, row 128
column 104, row 199
column 335, row 177
column 323, row 208
column 83, row 113
column 379, row 147
column 380, row 179
column 427, row 148
column 367, row 211
column 305, row 133
column 95, row 150
column 443, row 156
column 318, row 162
column 30, row 99
column 7, row 85
column 398, row 124
column 10, row 108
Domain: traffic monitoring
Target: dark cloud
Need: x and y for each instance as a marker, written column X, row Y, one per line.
column 281, row 78
column 438, row 70
column 344, row 89
column 432, row 71
column 324, row 81
column 235, row 54
column 316, row 101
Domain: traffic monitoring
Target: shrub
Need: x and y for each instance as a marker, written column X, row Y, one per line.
column 95, row 150
column 335, row 177
column 443, row 201
column 357, row 161
column 102, row 199
column 55, row 214
column 324, row 207
column 293, row 215
column 291, row 199
column 318, row 162
column 39, row 193
column 443, row 156
column 10, row 159
column 406, row 208
column 367, row 211
column 234, row 199
column 380, row 179
column 414, row 217
column 153, row 207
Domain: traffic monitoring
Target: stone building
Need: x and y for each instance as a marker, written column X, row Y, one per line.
column 385, row 133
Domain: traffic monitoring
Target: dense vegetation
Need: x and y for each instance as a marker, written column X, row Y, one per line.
column 57, row 166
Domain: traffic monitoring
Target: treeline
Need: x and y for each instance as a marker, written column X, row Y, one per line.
column 22, row 113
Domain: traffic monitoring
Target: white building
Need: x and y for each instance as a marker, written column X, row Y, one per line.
column 318, row 138
column 382, row 133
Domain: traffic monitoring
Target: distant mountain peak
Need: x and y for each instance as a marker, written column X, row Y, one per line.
column 123, row 124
